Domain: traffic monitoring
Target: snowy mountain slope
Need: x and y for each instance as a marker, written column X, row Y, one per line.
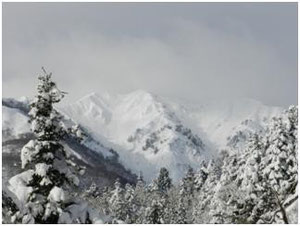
column 101, row 162
column 14, row 121
column 220, row 120
column 150, row 132
column 142, row 130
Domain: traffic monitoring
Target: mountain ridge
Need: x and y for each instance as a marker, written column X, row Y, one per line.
column 149, row 131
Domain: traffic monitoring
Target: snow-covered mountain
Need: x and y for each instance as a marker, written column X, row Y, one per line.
column 149, row 132
column 101, row 162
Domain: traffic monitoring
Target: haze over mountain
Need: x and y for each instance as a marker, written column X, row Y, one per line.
column 192, row 50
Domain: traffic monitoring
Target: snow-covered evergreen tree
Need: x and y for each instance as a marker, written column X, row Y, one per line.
column 188, row 184
column 201, row 176
column 280, row 175
column 129, row 193
column 257, row 183
column 131, row 205
column 170, row 202
column 140, row 186
column 226, row 192
column 155, row 213
column 140, row 200
column 118, row 203
column 204, row 208
column 48, row 169
column 164, row 182
column 156, row 205
column 268, row 177
column 184, row 207
column 103, row 200
column 181, row 211
column 248, row 180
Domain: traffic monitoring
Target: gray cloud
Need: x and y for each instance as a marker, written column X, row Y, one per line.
column 193, row 51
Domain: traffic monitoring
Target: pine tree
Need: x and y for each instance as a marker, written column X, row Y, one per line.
column 140, row 185
column 157, row 195
column 201, row 176
column 130, row 204
column 227, row 193
column 164, row 182
column 140, row 200
column 204, row 209
column 186, row 197
column 155, row 214
column 188, row 185
column 181, row 211
column 279, row 174
column 170, row 202
column 48, row 169
column 249, row 179
column 118, row 203
column 263, row 177
column 268, row 177
column 104, row 200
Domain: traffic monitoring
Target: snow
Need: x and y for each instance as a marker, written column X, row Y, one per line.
column 28, row 151
column 18, row 185
column 292, row 213
column 15, row 125
column 41, row 169
column 57, row 195
column 127, row 122
column 28, row 219
column 78, row 213
column 14, row 122
column 220, row 119
column 45, row 181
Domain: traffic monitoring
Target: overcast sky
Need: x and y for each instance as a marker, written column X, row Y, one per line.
column 194, row 51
